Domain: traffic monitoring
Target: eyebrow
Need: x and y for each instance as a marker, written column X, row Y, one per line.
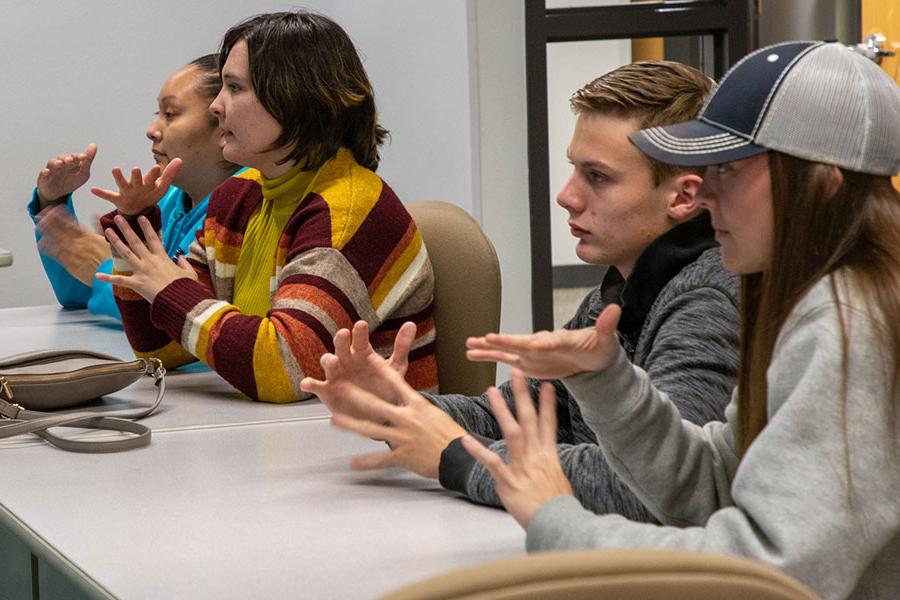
column 590, row 163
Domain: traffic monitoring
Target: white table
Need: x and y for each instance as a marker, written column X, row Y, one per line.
column 236, row 506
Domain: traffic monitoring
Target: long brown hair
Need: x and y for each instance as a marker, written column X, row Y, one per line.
column 856, row 228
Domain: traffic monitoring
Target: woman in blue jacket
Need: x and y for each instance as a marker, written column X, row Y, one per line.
column 183, row 128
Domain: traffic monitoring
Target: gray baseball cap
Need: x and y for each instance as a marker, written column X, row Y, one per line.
column 813, row 100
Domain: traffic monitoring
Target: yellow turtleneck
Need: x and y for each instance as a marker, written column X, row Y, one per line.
column 254, row 279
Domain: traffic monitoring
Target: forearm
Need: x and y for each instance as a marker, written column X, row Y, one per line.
column 682, row 473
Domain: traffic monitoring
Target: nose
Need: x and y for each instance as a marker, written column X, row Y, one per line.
column 706, row 195
column 568, row 196
column 217, row 108
column 154, row 134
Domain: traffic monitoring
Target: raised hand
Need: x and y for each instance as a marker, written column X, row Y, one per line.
column 78, row 250
column 355, row 361
column 553, row 354
column 533, row 475
column 151, row 268
column 141, row 191
column 64, row 174
column 415, row 430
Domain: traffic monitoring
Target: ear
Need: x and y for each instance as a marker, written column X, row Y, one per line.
column 834, row 179
column 681, row 202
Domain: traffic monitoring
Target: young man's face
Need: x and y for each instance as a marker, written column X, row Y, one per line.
column 615, row 210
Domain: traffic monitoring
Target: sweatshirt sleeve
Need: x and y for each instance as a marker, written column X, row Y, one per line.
column 693, row 359
column 810, row 496
column 69, row 292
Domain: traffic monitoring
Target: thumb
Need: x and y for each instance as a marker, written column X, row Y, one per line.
column 89, row 153
column 184, row 265
column 608, row 321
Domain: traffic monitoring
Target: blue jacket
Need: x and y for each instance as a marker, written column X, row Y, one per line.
column 179, row 224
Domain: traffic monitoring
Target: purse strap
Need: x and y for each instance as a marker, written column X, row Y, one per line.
column 18, row 420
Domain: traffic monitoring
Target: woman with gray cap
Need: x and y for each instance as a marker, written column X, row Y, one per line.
column 800, row 141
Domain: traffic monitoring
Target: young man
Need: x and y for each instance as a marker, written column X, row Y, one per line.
column 679, row 322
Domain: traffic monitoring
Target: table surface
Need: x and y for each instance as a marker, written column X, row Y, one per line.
column 231, row 499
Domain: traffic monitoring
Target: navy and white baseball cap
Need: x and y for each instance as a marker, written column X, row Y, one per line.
column 813, row 100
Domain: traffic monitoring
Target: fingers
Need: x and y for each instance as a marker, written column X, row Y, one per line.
column 368, row 462
column 365, row 428
column 313, row 386
column 120, row 248
column 119, row 178
column 137, row 246
column 512, row 433
column 492, row 462
column 108, row 195
column 185, row 265
column 608, row 320
column 342, row 346
column 137, row 176
column 88, row 156
column 168, row 175
column 402, row 344
column 547, row 418
column 151, row 239
column 117, row 280
column 493, row 356
column 525, row 413
column 360, row 338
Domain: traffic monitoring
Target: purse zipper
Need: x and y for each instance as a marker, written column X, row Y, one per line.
column 8, row 379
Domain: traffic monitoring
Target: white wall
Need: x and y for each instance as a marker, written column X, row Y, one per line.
column 77, row 72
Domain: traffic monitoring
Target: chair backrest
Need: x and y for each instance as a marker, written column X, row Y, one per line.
column 612, row 574
column 466, row 292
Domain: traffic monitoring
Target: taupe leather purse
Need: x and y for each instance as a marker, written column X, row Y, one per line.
column 35, row 382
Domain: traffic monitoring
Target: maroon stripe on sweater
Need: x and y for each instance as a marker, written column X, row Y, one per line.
column 377, row 236
column 233, row 203
column 323, row 284
column 175, row 301
column 140, row 331
column 153, row 215
column 314, row 218
column 233, row 351
column 301, row 347
column 418, row 318
column 421, row 352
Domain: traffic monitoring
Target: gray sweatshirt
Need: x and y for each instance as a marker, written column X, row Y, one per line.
column 816, row 495
column 680, row 323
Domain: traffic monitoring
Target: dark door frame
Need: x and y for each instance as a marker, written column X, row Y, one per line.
column 731, row 23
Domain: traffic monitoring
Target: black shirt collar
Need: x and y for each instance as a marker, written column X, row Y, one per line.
column 659, row 263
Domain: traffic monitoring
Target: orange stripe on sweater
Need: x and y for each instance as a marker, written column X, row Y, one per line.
column 395, row 254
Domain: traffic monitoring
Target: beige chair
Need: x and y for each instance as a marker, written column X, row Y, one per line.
column 466, row 292
column 612, row 574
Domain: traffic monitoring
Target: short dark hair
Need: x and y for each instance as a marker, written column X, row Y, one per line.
column 307, row 74
column 208, row 80
column 656, row 92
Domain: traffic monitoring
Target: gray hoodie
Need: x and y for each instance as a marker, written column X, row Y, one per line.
column 816, row 495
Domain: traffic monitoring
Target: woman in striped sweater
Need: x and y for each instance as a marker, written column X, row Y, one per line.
column 305, row 242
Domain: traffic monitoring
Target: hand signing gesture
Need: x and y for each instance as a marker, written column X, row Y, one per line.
column 151, row 268
column 553, row 354
column 533, row 475
column 64, row 174
column 78, row 250
column 415, row 430
column 141, row 191
column 355, row 361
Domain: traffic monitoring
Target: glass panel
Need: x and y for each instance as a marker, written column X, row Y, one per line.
column 571, row 65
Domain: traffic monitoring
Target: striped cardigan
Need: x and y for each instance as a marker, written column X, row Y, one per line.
column 350, row 251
